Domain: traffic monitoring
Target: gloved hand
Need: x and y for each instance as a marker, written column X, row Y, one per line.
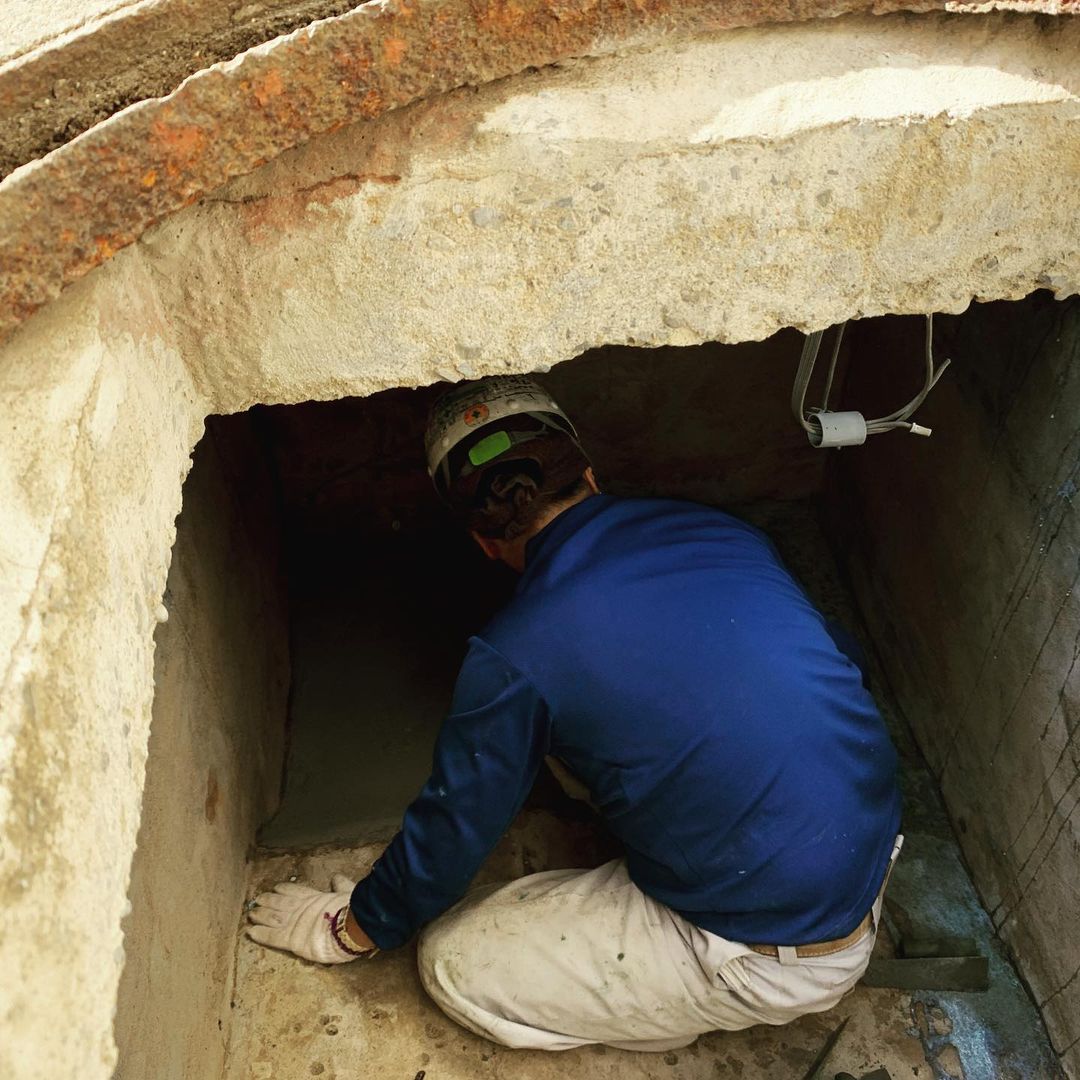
column 298, row 919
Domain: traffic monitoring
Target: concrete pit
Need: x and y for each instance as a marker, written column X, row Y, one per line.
column 648, row 202
column 319, row 598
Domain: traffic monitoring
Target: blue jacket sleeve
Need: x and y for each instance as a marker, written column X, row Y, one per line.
column 487, row 756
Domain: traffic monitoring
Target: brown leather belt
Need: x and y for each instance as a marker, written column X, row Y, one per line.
column 823, row 948
column 827, row 948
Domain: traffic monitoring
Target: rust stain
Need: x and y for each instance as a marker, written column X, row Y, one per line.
column 505, row 16
column 394, row 50
column 268, row 87
column 357, row 62
column 180, row 145
column 75, row 208
column 371, row 104
column 185, row 140
column 213, row 796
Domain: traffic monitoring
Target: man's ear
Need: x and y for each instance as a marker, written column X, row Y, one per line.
column 491, row 548
column 590, row 479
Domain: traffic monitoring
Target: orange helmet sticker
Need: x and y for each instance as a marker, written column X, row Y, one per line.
column 475, row 414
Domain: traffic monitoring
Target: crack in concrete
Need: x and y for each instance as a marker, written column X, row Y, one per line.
column 32, row 605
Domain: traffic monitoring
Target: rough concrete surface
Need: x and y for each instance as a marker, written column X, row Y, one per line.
column 221, row 672
column 635, row 220
column 372, row 1018
column 79, row 205
column 427, row 245
column 74, row 67
column 964, row 554
column 99, row 415
column 68, row 64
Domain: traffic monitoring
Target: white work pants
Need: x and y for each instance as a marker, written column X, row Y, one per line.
column 572, row 957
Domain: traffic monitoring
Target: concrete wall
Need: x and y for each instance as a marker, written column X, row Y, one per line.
column 654, row 421
column 98, row 417
column 657, row 421
column 965, row 552
column 221, row 671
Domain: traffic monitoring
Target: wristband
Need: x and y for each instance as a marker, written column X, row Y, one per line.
column 340, row 934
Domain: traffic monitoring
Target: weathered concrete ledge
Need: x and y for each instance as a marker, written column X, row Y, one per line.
column 683, row 194
column 73, row 209
column 80, row 75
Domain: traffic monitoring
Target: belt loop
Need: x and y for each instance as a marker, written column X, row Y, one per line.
column 875, row 911
column 898, row 845
column 787, row 955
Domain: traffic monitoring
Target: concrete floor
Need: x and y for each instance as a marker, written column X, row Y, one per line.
column 371, row 1019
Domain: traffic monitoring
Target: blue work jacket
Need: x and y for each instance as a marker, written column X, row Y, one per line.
column 664, row 654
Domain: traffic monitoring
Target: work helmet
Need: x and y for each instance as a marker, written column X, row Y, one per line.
column 475, row 423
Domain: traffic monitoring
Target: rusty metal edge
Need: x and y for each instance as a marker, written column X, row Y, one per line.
column 54, row 92
column 73, row 209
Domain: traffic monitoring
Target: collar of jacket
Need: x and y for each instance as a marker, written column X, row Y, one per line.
column 562, row 528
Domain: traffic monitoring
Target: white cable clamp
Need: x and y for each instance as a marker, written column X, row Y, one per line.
column 831, row 429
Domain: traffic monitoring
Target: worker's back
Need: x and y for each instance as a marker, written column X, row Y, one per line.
column 700, row 696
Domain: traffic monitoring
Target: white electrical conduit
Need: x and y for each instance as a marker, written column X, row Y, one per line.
column 824, row 428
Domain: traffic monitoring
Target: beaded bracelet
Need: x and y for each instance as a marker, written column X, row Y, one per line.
column 340, row 934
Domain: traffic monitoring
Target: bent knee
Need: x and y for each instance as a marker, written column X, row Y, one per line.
column 428, row 948
column 449, row 947
column 442, row 960
column 450, row 977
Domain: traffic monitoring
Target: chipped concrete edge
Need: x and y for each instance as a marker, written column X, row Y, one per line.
column 62, row 86
column 68, row 212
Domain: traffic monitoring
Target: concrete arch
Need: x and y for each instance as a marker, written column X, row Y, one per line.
column 674, row 195
column 681, row 193
column 80, row 204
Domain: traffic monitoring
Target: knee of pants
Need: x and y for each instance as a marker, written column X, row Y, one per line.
column 437, row 943
column 428, row 947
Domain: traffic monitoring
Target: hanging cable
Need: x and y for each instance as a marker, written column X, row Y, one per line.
column 802, row 377
column 827, row 429
column 832, row 368
column 900, row 417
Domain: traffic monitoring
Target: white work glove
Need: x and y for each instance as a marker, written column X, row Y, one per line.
column 298, row 918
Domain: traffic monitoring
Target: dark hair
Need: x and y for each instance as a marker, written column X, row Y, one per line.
column 505, row 499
